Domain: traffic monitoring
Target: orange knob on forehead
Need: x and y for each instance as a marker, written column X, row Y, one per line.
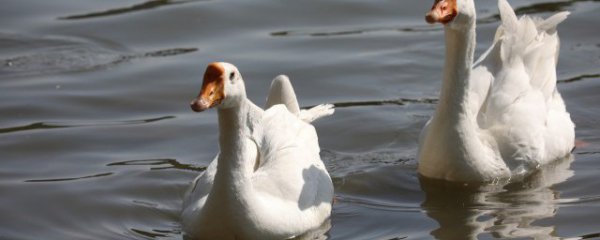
column 213, row 70
column 213, row 88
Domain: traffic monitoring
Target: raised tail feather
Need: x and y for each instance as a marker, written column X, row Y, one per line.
column 549, row 24
column 525, row 35
column 282, row 92
column 314, row 113
column 512, row 24
column 528, row 49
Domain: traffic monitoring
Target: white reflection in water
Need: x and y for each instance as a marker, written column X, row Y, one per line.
column 466, row 211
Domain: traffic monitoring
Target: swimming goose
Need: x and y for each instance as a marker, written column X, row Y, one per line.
column 502, row 116
column 268, row 180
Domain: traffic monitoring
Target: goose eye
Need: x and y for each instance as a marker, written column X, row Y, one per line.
column 231, row 76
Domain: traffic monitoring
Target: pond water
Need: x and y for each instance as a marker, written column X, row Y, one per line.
column 97, row 140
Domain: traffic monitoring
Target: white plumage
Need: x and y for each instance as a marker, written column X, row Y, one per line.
column 268, row 181
column 501, row 117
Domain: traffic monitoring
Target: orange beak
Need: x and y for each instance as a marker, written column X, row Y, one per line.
column 213, row 88
column 443, row 11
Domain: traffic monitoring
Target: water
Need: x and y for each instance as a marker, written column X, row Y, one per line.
column 97, row 140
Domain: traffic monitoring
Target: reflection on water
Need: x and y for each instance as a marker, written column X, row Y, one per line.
column 503, row 211
column 316, row 234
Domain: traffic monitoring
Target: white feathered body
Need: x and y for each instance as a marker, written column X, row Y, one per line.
column 514, row 119
column 281, row 191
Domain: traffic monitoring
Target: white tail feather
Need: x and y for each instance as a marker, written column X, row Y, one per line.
column 508, row 16
column 316, row 112
column 282, row 92
column 549, row 25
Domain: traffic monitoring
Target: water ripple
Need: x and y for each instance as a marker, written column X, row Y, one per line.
column 531, row 9
column 579, row 78
column 116, row 11
column 406, row 101
column 378, row 205
column 154, row 234
column 46, row 125
column 23, row 55
column 579, row 200
column 71, row 178
column 33, row 126
column 331, row 33
column 76, row 58
column 544, row 7
column 341, row 164
column 399, row 101
column 588, row 153
column 590, row 236
column 159, row 164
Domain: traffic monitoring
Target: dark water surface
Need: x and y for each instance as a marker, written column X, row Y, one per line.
column 97, row 140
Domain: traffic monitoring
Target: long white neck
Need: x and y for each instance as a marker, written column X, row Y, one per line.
column 452, row 147
column 460, row 47
column 237, row 151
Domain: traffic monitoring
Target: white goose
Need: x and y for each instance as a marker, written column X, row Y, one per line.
column 501, row 117
column 268, row 181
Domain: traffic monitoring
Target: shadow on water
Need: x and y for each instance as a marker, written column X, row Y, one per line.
column 466, row 211
column 134, row 8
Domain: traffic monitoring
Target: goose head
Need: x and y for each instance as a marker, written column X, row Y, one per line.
column 222, row 87
column 457, row 14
